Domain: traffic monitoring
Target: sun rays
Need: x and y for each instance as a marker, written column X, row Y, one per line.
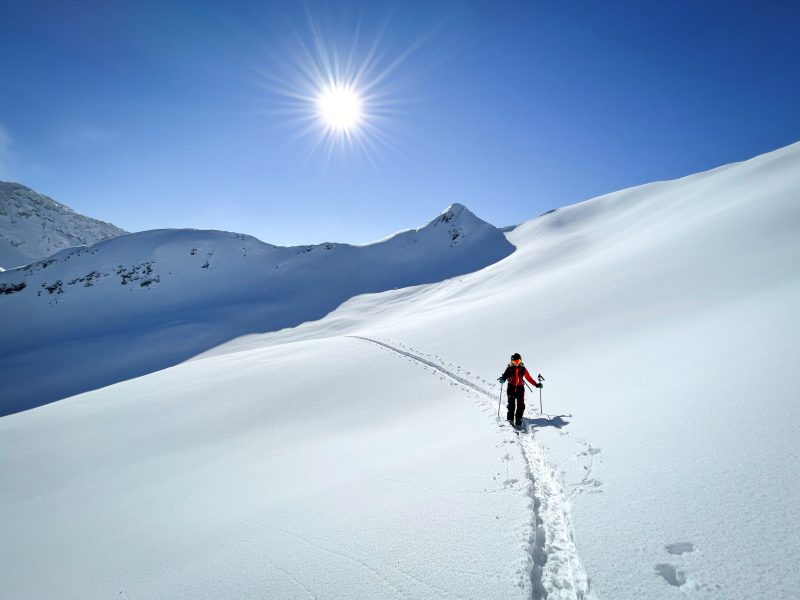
column 340, row 97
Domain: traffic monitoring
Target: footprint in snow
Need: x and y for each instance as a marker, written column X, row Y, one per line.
column 671, row 574
column 677, row 577
column 591, row 451
column 680, row 548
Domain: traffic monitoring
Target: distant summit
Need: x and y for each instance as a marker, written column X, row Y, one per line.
column 33, row 226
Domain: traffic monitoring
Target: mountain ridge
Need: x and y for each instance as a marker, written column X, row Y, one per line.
column 204, row 287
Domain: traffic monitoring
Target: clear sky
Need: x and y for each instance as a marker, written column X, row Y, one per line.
column 155, row 114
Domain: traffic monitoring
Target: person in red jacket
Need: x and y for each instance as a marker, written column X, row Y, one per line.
column 514, row 374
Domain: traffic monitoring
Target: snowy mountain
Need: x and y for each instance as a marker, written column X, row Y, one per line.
column 360, row 455
column 33, row 226
column 141, row 302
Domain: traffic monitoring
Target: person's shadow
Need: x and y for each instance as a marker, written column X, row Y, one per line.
column 556, row 421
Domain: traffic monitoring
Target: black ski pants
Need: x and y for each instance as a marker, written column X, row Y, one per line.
column 516, row 394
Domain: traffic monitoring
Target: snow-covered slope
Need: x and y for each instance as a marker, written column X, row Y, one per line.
column 33, row 226
column 665, row 319
column 141, row 302
column 309, row 463
column 287, row 474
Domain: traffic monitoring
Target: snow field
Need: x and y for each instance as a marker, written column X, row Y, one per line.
column 665, row 319
column 229, row 477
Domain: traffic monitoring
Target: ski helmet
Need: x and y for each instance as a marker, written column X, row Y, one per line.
column 516, row 356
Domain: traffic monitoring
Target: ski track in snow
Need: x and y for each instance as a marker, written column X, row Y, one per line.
column 554, row 566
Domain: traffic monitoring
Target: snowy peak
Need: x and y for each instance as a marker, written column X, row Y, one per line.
column 455, row 226
column 455, row 211
column 33, row 226
column 459, row 220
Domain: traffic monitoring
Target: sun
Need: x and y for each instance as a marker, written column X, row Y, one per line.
column 346, row 98
column 340, row 107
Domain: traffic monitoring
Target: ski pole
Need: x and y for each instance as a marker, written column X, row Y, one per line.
column 540, row 393
column 500, row 399
column 541, row 379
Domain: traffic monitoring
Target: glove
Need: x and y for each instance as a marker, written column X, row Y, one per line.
column 540, row 385
column 501, row 379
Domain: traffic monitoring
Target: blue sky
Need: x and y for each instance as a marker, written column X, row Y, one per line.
column 175, row 114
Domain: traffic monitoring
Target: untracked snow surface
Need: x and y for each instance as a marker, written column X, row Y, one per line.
column 360, row 456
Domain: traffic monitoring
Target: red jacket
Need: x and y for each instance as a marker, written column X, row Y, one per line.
column 514, row 374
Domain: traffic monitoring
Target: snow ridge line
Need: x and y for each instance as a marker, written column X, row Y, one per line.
column 555, row 568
